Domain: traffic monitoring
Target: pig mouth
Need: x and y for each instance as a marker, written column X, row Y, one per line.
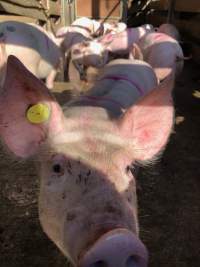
column 100, row 230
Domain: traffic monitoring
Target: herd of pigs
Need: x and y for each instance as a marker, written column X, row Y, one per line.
column 88, row 149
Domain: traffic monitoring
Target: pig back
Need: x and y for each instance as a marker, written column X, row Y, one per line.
column 162, row 52
column 125, row 81
column 32, row 45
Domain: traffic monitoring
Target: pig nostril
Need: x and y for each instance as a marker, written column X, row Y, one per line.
column 132, row 262
column 99, row 264
column 118, row 247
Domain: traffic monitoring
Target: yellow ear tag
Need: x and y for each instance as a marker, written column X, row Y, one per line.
column 38, row 113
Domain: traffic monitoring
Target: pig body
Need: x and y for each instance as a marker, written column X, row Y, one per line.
column 87, row 202
column 33, row 46
column 118, row 78
column 162, row 52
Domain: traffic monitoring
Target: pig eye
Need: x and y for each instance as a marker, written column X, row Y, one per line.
column 57, row 168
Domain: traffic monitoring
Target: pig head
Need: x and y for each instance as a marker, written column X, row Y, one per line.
column 87, row 202
column 113, row 27
column 68, row 37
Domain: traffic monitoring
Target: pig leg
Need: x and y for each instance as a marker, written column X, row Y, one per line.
column 50, row 78
column 135, row 52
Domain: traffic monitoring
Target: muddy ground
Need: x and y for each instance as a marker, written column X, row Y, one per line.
column 168, row 192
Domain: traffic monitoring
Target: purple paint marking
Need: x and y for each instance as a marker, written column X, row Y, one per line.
column 118, row 78
column 115, row 78
column 47, row 41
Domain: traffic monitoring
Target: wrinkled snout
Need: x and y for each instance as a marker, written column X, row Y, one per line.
column 117, row 248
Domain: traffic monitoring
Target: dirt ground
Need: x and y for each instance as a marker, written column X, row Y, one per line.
column 168, row 192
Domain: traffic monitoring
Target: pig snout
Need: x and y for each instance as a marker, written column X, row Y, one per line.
column 116, row 248
column 89, row 54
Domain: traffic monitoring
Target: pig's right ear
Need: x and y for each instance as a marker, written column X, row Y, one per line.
column 147, row 124
column 23, row 129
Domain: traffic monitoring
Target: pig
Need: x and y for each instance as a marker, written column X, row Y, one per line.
column 122, row 74
column 97, row 52
column 163, row 53
column 35, row 47
column 87, row 201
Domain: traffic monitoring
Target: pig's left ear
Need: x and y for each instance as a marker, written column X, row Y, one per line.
column 106, row 40
column 28, row 112
column 62, row 32
column 147, row 125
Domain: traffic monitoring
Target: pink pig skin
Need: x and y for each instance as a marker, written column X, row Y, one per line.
column 123, row 41
column 163, row 53
column 33, row 46
column 87, row 202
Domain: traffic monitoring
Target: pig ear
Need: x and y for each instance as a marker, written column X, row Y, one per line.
column 147, row 124
column 107, row 39
column 21, row 91
column 62, row 32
